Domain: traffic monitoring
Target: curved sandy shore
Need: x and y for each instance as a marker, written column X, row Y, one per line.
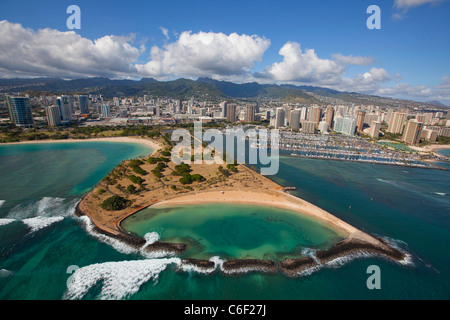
column 277, row 199
column 149, row 143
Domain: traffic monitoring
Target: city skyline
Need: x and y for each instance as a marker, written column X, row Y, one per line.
column 314, row 43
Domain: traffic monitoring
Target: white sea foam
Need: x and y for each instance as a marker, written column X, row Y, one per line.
column 218, row 262
column 116, row 244
column 190, row 267
column 119, row 279
column 39, row 223
column 151, row 238
column 121, row 246
column 340, row 261
column 5, row 273
column 46, row 207
column 400, row 245
column 309, row 271
column 4, row 222
column 309, row 252
column 2, row 202
column 438, row 193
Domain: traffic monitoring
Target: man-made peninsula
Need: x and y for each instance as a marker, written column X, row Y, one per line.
column 156, row 181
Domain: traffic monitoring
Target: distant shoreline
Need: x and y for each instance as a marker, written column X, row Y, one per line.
column 142, row 141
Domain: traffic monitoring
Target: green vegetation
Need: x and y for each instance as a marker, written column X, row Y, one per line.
column 391, row 136
column 139, row 170
column 188, row 178
column 153, row 160
column 158, row 169
column 443, row 140
column 135, row 179
column 131, row 189
column 115, row 203
column 181, row 169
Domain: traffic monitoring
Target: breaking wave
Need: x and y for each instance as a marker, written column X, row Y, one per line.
column 116, row 244
column 2, row 202
column 217, row 264
column 151, row 238
column 4, row 222
column 119, row 279
column 46, row 207
column 39, row 223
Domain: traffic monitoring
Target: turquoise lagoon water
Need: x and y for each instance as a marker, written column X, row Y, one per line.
column 234, row 230
column 408, row 206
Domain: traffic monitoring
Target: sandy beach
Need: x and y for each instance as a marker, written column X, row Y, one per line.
column 276, row 198
column 146, row 142
column 435, row 147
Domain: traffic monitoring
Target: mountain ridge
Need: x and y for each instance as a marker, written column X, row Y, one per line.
column 205, row 88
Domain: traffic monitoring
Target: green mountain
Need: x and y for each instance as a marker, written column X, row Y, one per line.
column 202, row 88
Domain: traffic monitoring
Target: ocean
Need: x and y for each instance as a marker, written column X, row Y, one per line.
column 42, row 243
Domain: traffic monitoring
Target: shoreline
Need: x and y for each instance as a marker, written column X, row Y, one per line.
column 142, row 141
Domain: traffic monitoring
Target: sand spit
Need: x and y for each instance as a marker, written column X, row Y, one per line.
column 245, row 186
column 149, row 143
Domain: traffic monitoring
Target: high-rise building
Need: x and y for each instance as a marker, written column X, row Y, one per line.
column 106, row 110
column 360, row 120
column 231, row 112
column 304, row 114
column 430, row 135
column 223, row 108
column 53, row 116
column 329, row 116
column 65, row 105
column 83, row 102
column 280, row 118
column 345, row 125
column 397, row 122
column 294, row 120
column 250, row 113
column 349, row 125
column 19, row 110
column 413, row 129
column 388, row 116
column 308, row 126
column 374, row 131
column 317, row 116
column 338, row 123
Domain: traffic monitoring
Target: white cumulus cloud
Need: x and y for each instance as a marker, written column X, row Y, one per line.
column 305, row 67
column 49, row 52
column 205, row 54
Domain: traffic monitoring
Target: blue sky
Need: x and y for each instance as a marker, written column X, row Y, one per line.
column 324, row 43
